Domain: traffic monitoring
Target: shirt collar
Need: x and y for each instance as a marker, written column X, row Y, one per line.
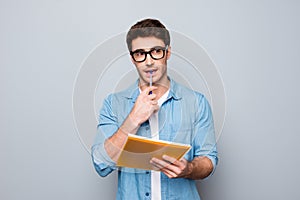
column 174, row 90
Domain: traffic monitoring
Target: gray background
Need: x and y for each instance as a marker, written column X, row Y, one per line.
column 255, row 45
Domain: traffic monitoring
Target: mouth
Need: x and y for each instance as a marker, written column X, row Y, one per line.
column 148, row 72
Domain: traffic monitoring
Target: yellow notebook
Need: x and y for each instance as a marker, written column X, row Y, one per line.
column 138, row 151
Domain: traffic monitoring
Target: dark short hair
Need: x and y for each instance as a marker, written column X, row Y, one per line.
column 148, row 28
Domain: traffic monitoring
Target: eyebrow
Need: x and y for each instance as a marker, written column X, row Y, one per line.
column 156, row 47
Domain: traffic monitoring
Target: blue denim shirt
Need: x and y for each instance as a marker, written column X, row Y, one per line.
column 184, row 117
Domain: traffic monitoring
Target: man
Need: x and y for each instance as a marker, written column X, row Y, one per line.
column 164, row 110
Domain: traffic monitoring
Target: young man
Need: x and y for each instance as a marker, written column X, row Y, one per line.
column 164, row 110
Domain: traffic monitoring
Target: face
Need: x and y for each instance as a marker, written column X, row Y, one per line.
column 158, row 67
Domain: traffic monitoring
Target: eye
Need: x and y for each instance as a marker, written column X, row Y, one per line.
column 139, row 53
column 157, row 51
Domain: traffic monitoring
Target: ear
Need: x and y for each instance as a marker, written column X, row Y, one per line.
column 169, row 52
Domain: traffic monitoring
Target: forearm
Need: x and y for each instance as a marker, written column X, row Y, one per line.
column 114, row 144
column 143, row 108
column 199, row 168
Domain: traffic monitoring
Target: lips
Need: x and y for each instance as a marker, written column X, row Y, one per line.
column 148, row 72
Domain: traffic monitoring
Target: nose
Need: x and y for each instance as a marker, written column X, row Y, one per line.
column 149, row 61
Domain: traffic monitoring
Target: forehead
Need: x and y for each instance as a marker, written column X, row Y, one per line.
column 146, row 43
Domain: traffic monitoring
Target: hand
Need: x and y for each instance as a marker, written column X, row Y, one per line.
column 144, row 106
column 171, row 167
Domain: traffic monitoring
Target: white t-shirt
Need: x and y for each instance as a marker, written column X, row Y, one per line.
column 155, row 175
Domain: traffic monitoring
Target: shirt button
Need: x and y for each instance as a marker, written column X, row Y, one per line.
column 147, row 194
column 147, row 128
column 147, row 172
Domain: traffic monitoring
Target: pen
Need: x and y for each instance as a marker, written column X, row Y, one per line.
column 150, row 84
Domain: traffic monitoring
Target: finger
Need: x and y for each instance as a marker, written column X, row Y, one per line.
column 155, row 164
column 174, row 161
column 151, row 96
column 170, row 170
column 154, row 167
column 158, row 167
column 152, row 109
column 169, row 173
column 158, row 163
column 163, row 164
column 183, row 161
column 155, row 108
column 153, row 102
column 169, row 159
column 148, row 89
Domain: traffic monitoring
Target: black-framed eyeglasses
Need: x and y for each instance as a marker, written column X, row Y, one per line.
column 156, row 53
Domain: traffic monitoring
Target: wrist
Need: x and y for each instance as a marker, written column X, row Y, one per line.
column 134, row 121
column 130, row 125
column 189, row 171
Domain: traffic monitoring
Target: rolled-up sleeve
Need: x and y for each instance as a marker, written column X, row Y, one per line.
column 107, row 126
column 205, row 141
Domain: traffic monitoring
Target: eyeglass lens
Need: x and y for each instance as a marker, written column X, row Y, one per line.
column 156, row 53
